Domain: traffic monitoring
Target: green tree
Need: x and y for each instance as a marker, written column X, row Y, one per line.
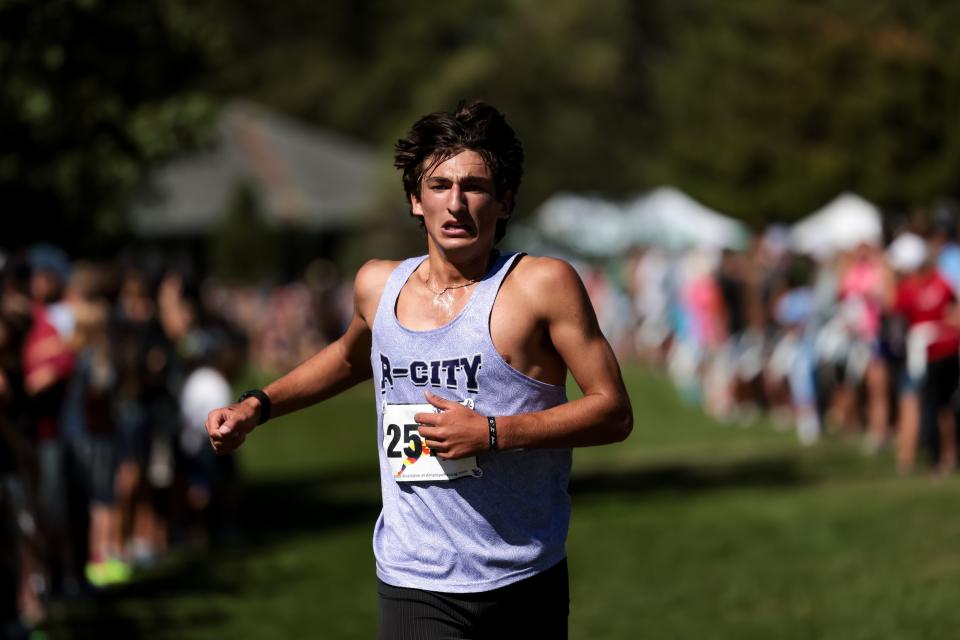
column 761, row 109
column 92, row 93
column 768, row 109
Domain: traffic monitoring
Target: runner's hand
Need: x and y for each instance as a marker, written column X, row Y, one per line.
column 228, row 427
column 456, row 432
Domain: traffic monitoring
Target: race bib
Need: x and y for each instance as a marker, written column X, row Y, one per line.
column 408, row 455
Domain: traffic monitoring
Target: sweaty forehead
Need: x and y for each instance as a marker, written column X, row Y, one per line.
column 465, row 164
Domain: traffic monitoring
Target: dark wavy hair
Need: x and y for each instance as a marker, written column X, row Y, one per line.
column 439, row 136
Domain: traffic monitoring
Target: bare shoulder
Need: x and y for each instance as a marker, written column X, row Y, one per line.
column 373, row 275
column 534, row 276
column 538, row 274
column 370, row 280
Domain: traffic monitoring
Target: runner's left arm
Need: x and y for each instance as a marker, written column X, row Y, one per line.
column 602, row 416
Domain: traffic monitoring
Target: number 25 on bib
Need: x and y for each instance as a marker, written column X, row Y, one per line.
column 409, row 457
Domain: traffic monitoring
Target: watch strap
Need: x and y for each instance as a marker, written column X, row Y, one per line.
column 265, row 404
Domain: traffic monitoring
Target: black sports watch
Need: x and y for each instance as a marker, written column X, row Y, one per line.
column 264, row 403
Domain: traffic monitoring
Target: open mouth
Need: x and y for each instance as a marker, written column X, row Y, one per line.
column 454, row 228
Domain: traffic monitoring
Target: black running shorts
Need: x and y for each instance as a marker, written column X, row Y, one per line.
column 536, row 607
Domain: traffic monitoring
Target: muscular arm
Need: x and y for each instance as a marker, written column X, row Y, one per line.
column 603, row 415
column 339, row 366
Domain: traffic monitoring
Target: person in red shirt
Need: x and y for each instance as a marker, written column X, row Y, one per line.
column 47, row 363
column 928, row 305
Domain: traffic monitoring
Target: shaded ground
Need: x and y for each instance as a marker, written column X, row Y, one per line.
column 275, row 511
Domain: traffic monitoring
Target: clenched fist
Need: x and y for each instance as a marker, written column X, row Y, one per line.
column 228, row 427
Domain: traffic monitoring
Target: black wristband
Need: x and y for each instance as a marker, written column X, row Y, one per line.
column 492, row 424
column 264, row 403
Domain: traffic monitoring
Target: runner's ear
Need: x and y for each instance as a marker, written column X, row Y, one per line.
column 415, row 207
column 506, row 201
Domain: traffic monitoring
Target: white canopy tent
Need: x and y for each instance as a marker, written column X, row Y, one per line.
column 589, row 225
column 664, row 217
column 669, row 218
column 844, row 223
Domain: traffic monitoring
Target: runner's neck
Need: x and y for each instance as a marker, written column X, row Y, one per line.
column 439, row 274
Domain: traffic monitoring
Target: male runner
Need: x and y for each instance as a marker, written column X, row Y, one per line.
column 468, row 348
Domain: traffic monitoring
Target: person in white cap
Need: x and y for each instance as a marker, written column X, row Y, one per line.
column 928, row 386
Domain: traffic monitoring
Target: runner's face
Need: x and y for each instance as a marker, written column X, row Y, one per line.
column 459, row 204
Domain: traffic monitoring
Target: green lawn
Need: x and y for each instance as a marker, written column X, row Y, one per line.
column 689, row 529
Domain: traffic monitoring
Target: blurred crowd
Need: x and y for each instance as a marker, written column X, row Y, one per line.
column 107, row 373
column 864, row 341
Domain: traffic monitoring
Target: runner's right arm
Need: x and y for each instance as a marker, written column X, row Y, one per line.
column 337, row 367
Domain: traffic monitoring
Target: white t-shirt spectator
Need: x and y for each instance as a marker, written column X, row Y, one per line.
column 204, row 390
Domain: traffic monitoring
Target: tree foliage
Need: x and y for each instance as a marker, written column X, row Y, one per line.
column 92, row 93
column 761, row 109
column 768, row 109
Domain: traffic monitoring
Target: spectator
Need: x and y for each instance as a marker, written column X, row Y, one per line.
column 89, row 423
column 928, row 304
column 208, row 386
column 47, row 365
column 864, row 288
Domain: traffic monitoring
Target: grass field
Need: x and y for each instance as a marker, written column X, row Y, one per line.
column 689, row 529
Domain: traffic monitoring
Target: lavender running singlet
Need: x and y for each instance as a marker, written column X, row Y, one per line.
column 494, row 526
